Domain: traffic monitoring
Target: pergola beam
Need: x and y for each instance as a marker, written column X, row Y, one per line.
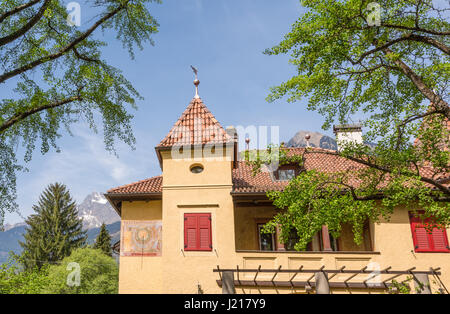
column 346, row 284
column 329, row 271
column 302, row 284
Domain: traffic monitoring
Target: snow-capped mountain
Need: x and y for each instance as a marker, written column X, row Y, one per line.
column 12, row 226
column 96, row 210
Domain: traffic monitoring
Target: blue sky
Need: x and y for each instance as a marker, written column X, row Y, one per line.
column 225, row 40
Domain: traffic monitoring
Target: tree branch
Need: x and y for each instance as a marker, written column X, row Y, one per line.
column 7, row 39
column 411, row 37
column 69, row 47
column 20, row 116
column 83, row 57
column 416, row 29
column 401, row 126
column 437, row 101
column 428, row 40
column 369, row 164
column 17, row 9
column 353, row 192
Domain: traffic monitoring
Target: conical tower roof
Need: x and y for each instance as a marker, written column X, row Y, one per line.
column 196, row 126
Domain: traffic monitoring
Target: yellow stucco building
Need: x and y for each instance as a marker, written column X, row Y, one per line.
column 182, row 231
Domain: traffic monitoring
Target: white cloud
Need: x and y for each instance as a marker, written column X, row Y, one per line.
column 85, row 167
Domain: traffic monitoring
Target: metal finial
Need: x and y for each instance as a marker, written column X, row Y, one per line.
column 307, row 138
column 247, row 142
column 196, row 82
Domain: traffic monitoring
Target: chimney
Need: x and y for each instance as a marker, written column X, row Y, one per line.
column 348, row 133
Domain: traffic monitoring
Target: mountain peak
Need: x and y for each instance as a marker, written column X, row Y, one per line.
column 95, row 210
column 318, row 140
column 98, row 198
column 7, row 227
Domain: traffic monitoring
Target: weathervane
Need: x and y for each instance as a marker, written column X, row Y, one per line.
column 196, row 82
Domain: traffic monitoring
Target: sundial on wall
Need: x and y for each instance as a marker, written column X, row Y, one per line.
column 141, row 238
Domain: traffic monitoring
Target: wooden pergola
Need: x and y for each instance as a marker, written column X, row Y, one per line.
column 321, row 280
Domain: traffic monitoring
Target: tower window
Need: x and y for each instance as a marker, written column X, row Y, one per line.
column 196, row 169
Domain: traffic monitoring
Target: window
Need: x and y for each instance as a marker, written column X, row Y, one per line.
column 197, row 232
column 427, row 240
column 286, row 175
column 266, row 240
column 294, row 238
column 289, row 245
column 286, row 172
column 196, row 169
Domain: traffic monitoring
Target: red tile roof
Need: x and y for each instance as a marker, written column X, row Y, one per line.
column 243, row 179
column 152, row 185
column 245, row 182
column 196, row 126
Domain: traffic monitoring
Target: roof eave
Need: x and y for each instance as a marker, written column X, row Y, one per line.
column 116, row 199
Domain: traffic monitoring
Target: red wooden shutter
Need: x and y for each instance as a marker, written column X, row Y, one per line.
column 426, row 241
column 190, row 232
column 440, row 240
column 420, row 238
column 197, row 232
column 204, row 222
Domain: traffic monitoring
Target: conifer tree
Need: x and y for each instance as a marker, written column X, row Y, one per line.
column 103, row 241
column 54, row 230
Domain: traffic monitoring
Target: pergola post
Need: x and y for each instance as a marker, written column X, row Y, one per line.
column 228, row 283
column 322, row 284
column 422, row 284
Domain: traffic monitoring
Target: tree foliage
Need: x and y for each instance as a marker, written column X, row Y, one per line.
column 54, row 230
column 103, row 241
column 15, row 279
column 396, row 76
column 99, row 274
column 59, row 77
column 389, row 74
